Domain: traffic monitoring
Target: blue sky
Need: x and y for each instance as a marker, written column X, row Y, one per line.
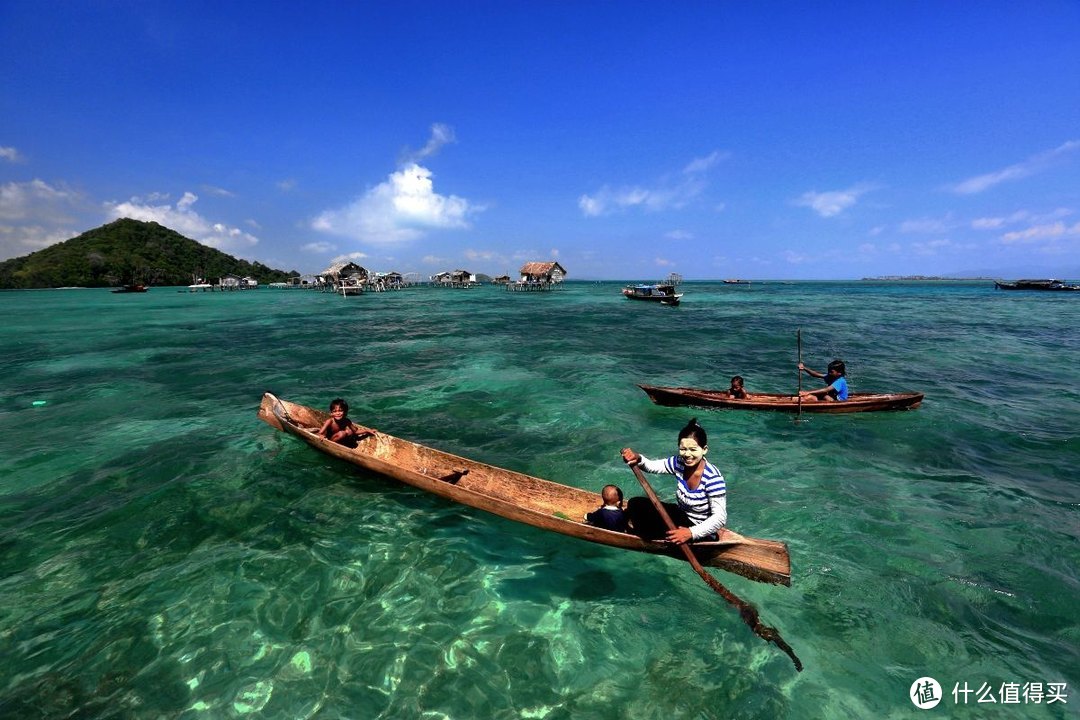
column 626, row 140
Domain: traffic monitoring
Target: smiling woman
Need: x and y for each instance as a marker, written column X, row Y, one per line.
column 701, row 510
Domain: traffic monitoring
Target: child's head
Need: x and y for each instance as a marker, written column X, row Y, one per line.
column 612, row 495
column 339, row 404
column 837, row 367
column 737, row 382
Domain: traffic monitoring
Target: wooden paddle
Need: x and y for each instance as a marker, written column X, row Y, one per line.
column 798, row 344
column 746, row 610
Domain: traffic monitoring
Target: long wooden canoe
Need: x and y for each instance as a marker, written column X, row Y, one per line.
column 856, row 402
column 515, row 496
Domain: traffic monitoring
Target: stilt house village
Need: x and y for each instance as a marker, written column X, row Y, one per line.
column 349, row 278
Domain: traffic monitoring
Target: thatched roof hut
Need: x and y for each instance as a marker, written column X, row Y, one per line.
column 542, row 272
column 343, row 270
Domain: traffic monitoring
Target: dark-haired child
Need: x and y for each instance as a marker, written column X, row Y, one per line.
column 737, row 391
column 610, row 515
column 700, row 491
column 340, row 428
column 836, row 387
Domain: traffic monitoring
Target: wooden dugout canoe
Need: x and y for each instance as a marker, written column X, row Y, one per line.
column 856, row 402
column 515, row 496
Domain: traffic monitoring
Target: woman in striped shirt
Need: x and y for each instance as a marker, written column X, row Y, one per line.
column 701, row 511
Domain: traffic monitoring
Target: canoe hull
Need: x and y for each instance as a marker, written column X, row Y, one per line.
column 515, row 496
column 856, row 402
column 668, row 300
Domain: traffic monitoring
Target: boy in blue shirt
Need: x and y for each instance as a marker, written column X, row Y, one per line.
column 836, row 388
column 610, row 515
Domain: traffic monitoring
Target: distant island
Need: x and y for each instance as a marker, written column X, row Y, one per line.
column 128, row 252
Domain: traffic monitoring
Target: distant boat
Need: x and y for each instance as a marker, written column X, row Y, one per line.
column 200, row 286
column 133, row 288
column 736, row 282
column 1035, row 285
column 661, row 293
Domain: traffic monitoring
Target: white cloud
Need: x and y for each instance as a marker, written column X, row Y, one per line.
column 833, row 202
column 700, row 165
column 398, row 210
column 668, row 193
column 795, row 258
column 1020, row 216
column 988, row 223
column 286, row 185
column 10, row 154
column 1035, row 233
column 221, row 192
column 348, row 257
column 678, row 235
column 1025, row 168
column 16, row 240
column 590, row 206
column 319, row 247
column 664, row 262
column 34, row 199
column 482, row 255
column 440, row 135
column 607, row 200
column 34, row 215
column 185, row 221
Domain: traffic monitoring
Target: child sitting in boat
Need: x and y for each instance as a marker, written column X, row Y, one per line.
column 836, row 387
column 736, row 392
column 340, row 428
column 610, row 515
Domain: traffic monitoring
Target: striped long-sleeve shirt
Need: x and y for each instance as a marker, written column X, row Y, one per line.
column 707, row 505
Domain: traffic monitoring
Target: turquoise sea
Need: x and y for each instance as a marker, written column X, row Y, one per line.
column 164, row 554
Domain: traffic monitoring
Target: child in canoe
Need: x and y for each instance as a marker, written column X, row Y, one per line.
column 836, row 387
column 340, row 428
column 610, row 515
column 737, row 391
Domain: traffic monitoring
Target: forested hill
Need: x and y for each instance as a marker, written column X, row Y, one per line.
column 128, row 251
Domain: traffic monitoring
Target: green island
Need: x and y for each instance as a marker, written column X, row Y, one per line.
column 128, row 251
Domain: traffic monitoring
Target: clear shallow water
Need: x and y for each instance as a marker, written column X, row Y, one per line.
column 165, row 554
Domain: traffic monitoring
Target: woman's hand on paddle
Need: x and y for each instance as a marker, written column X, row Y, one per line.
column 630, row 457
column 680, row 535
